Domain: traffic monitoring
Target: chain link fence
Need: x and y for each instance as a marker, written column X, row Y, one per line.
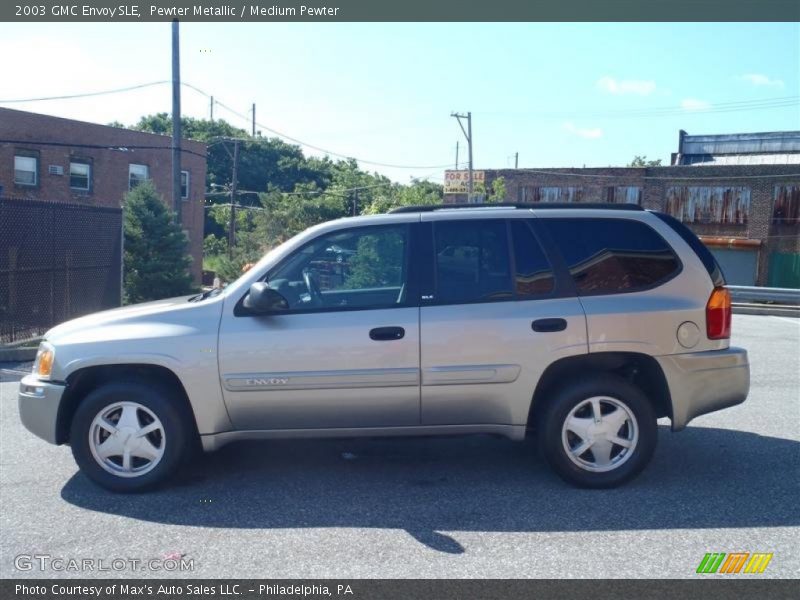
column 57, row 261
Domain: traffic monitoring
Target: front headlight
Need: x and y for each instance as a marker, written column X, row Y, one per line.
column 43, row 366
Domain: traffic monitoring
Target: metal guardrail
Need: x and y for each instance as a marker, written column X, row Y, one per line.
column 743, row 293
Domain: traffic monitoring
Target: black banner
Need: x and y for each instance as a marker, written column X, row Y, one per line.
column 722, row 588
column 403, row 10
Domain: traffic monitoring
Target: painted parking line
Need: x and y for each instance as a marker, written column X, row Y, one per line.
column 12, row 374
column 794, row 320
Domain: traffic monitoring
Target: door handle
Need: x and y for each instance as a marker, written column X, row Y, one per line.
column 387, row 334
column 549, row 325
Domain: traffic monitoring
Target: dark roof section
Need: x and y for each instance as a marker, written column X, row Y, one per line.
column 537, row 206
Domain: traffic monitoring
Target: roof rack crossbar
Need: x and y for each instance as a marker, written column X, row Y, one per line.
column 524, row 205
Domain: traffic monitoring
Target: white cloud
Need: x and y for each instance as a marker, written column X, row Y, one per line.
column 640, row 87
column 694, row 104
column 589, row 134
column 759, row 79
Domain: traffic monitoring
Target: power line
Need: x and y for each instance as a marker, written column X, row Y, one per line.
column 774, row 102
column 326, row 191
column 226, row 107
column 118, row 148
column 719, row 107
column 341, row 193
column 306, row 144
column 87, row 94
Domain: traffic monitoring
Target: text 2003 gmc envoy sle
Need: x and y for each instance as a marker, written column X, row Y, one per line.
column 579, row 324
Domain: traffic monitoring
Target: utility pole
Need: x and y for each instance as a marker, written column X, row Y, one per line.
column 212, row 109
column 254, row 119
column 355, row 202
column 516, row 160
column 456, row 156
column 468, row 135
column 176, row 123
column 232, row 227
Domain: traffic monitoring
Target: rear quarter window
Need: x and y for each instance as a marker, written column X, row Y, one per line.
column 610, row 256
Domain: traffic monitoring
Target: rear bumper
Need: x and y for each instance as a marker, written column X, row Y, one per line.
column 38, row 406
column 703, row 382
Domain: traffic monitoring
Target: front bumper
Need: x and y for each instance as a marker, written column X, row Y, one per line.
column 38, row 406
column 703, row 382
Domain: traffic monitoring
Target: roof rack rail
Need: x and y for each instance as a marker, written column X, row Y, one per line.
column 536, row 205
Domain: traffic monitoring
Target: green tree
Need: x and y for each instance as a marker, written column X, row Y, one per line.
column 641, row 161
column 264, row 163
column 156, row 258
column 496, row 194
column 377, row 262
column 418, row 193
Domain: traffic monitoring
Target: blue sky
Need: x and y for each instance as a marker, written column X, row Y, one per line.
column 559, row 94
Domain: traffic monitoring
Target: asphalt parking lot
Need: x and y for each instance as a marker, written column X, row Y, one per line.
column 460, row 507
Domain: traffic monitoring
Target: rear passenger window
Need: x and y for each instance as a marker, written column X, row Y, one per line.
column 472, row 262
column 534, row 275
column 612, row 255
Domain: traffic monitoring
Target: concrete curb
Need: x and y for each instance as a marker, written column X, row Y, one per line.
column 766, row 310
column 17, row 354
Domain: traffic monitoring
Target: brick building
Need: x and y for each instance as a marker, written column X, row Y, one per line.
column 746, row 210
column 61, row 160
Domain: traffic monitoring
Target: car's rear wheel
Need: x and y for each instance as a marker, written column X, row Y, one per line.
column 598, row 432
column 129, row 436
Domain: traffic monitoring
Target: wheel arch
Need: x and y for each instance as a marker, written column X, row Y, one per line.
column 641, row 370
column 83, row 381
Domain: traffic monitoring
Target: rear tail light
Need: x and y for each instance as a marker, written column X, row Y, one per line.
column 718, row 314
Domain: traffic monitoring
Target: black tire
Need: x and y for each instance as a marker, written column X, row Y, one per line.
column 568, row 397
column 163, row 403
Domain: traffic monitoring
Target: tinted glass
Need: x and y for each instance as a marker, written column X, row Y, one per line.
column 352, row 268
column 472, row 263
column 612, row 255
column 534, row 275
column 703, row 253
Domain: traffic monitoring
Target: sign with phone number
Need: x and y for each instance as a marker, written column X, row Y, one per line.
column 457, row 182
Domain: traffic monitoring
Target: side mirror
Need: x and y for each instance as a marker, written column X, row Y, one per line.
column 263, row 300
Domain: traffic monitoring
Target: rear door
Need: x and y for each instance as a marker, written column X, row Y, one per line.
column 493, row 317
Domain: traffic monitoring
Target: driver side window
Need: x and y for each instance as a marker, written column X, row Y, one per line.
column 364, row 267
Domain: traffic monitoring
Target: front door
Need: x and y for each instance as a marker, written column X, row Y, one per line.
column 345, row 354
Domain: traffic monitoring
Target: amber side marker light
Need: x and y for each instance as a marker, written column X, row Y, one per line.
column 718, row 314
column 43, row 366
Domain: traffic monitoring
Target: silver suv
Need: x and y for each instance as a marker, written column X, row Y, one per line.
column 579, row 324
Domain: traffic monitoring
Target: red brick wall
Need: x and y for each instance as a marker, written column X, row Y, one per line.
column 24, row 131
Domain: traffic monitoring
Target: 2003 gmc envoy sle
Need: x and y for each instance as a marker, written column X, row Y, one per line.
column 578, row 324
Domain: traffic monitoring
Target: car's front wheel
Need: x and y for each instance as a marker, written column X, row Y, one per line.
column 598, row 432
column 129, row 436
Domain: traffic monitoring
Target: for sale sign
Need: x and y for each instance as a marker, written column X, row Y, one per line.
column 457, row 182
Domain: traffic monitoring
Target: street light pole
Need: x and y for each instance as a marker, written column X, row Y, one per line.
column 176, row 124
column 232, row 228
